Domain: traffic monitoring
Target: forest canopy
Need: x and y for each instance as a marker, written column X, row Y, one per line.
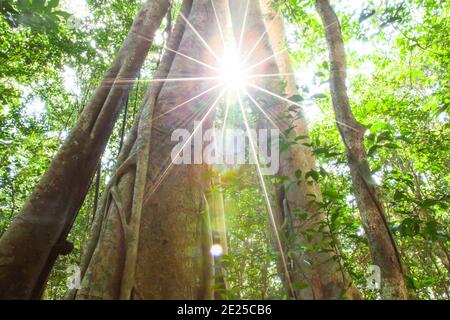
column 96, row 201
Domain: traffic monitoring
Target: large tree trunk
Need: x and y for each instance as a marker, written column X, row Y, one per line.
column 167, row 223
column 31, row 245
column 381, row 242
column 314, row 271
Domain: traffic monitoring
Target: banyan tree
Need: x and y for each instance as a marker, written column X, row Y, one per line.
column 158, row 219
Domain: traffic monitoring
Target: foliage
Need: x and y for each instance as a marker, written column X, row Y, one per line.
column 398, row 60
column 397, row 54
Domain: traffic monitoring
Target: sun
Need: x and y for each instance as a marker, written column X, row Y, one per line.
column 236, row 77
column 232, row 71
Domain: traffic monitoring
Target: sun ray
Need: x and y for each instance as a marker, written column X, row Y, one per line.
column 244, row 23
column 266, row 196
column 274, row 95
column 264, row 60
column 262, row 111
column 218, row 24
column 186, row 102
column 298, row 105
column 200, row 37
column 181, row 79
column 167, row 170
column 225, row 119
column 184, row 79
column 254, row 47
column 259, row 40
column 267, row 75
column 193, row 59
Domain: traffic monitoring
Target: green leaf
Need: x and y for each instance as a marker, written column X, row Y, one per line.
column 38, row 4
column 372, row 150
column 410, row 227
column 52, row 4
column 312, row 174
column 296, row 98
column 427, row 203
column 319, row 96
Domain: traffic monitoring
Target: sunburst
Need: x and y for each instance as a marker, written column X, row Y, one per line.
column 234, row 76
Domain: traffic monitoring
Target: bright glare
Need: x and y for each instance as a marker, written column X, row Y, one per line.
column 235, row 76
column 232, row 71
column 216, row 250
column 78, row 8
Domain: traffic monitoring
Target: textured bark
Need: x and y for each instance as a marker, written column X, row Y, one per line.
column 166, row 225
column 381, row 242
column 30, row 246
column 314, row 268
column 123, row 173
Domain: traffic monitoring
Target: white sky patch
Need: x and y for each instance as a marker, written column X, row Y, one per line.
column 159, row 38
column 361, row 231
column 443, row 117
column 312, row 112
column 305, row 77
column 34, row 108
column 350, row 199
column 378, row 178
column 70, row 80
column 360, row 46
column 78, row 8
column 351, row 6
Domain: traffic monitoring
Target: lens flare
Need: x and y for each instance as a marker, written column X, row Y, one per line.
column 216, row 250
column 234, row 74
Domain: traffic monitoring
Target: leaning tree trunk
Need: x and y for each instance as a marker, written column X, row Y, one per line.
column 37, row 236
column 307, row 163
column 314, row 271
column 154, row 230
column 381, row 242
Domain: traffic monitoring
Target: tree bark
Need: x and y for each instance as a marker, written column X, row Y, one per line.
column 381, row 242
column 29, row 248
column 166, row 223
column 313, row 267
